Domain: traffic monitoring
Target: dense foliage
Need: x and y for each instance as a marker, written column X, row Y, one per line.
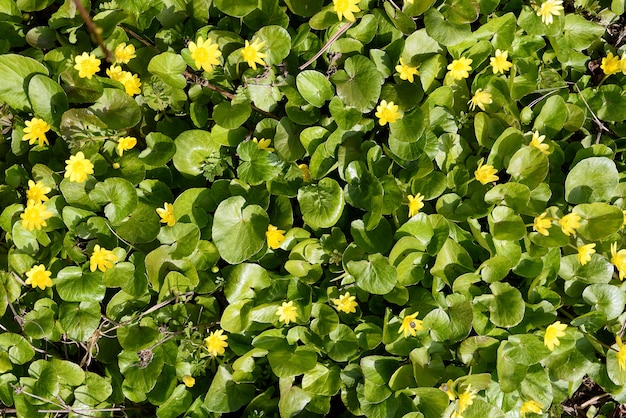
column 308, row 207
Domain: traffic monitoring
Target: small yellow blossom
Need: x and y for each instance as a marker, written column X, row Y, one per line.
column 263, row 144
column 124, row 53
column 480, row 99
column 537, row 142
column 548, row 9
column 610, row 64
column 618, row 259
column 585, row 252
column 387, row 113
column 101, row 259
column 274, row 236
column 499, row 63
column 124, row 144
column 447, row 387
column 621, row 353
column 406, row 71
column 78, row 168
column 252, row 54
column 131, row 82
column 346, row 8
column 541, row 224
column 87, row 65
column 39, row 277
column 530, row 406
column 569, row 223
column 216, row 343
column 459, row 69
column 35, row 131
column 415, row 204
column 166, row 213
column 37, row 191
column 410, row 325
column 622, row 63
column 205, row 54
column 485, row 173
column 189, row 381
column 35, row 215
column 624, row 221
column 346, row 303
column 306, row 175
column 553, row 333
column 287, row 313
column 466, row 399
column 115, row 72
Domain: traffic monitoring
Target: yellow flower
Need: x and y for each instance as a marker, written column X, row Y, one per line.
column 252, row 54
column 537, row 142
column 387, row 113
column 205, row 54
column 78, row 168
column 124, row 144
column 115, row 72
column 346, row 8
column 216, row 343
column 499, row 63
column 124, row 53
column 35, row 215
column 549, row 8
column 37, row 191
column 459, row 69
column 552, row 335
column 485, row 173
column 101, row 259
column 466, row 398
column 406, row 71
column 447, row 387
column 131, row 83
column 87, row 65
column 39, row 277
column 346, row 303
column 624, row 221
column 306, row 175
column 530, row 406
column 287, row 312
column 618, row 259
column 189, row 381
column 35, row 130
column 584, row 253
column 274, row 236
column 263, row 144
column 610, row 64
column 621, row 353
column 622, row 63
column 415, row 204
column 167, row 214
column 569, row 223
column 410, row 325
column 480, row 99
column 541, row 224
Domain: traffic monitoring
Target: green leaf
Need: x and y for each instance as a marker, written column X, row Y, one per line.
column 119, row 196
column 141, row 374
column 239, row 8
column 231, row 115
column 170, row 68
column 314, row 87
column 506, row 305
column 322, row 203
column 176, row 404
column 552, row 117
column 116, row 109
column 75, row 286
column 598, row 270
column 138, row 336
column 605, row 298
column 593, row 179
column 461, row 11
column 243, row 280
column 277, row 43
column 528, row 166
column 598, row 220
column 160, row 149
column 193, row 148
column 444, row 31
column 257, row 166
column 33, row 5
column 79, row 320
column 341, row 343
column 304, row 8
column 322, row 380
column 239, row 229
column 20, row 351
column 96, row 389
column 292, row 363
column 141, row 226
column 15, row 71
column 506, row 224
column 514, row 195
column 376, row 275
column 47, row 99
column 359, row 85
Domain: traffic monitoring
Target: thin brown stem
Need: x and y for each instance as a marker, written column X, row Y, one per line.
column 95, row 31
column 327, row 45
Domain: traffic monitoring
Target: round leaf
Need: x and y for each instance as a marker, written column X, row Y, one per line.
column 376, row 275
column 593, row 179
column 314, row 87
column 321, row 204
